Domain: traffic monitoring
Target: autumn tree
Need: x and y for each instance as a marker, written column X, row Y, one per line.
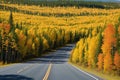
column 118, row 40
column 109, row 40
column 108, row 62
column 21, row 42
column 93, row 51
column 81, row 51
column 100, row 61
column 0, row 46
column 75, row 55
column 98, row 46
column 108, row 47
column 87, row 40
column 117, row 61
column 94, row 32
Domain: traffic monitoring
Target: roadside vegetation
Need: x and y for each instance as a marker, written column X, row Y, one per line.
column 101, row 49
column 100, row 74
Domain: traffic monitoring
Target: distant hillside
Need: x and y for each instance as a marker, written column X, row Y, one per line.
column 107, row 4
column 76, row 0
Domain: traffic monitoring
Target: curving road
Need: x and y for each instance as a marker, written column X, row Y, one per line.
column 53, row 66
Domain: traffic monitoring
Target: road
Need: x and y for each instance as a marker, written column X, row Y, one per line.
column 53, row 66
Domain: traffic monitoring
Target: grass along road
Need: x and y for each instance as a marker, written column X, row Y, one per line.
column 97, row 73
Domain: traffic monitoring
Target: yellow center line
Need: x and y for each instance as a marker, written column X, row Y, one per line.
column 48, row 72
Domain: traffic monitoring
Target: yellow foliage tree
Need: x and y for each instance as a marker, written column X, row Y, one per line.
column 107, row 62
column 81, row 50
column 75, row 55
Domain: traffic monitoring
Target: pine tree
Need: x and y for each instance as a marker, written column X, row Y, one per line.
column 11, row 21
column 99, row 38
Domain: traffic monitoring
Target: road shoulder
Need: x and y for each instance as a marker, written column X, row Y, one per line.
column 99, row 75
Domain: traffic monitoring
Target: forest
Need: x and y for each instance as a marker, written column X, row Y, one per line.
column 101, row 49
column 29, row 29
column 66, row 3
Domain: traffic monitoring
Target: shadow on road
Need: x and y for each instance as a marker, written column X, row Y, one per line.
column 60, row 56
column 14, row 77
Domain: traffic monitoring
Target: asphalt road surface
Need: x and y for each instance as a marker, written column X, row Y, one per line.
column 53, row 66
